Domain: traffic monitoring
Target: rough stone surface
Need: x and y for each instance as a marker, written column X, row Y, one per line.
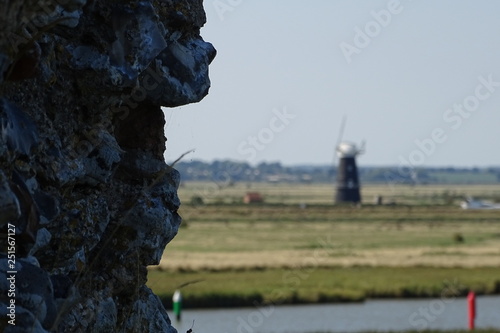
column 83, row 182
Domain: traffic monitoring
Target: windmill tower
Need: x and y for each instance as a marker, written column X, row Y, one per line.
column 347, row 173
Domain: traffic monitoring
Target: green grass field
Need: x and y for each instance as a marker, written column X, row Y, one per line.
column 320, row 284
column 269, row 236
column 318, row 252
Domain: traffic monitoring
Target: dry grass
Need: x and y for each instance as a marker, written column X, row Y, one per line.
column 242, row 237
column 403, row 257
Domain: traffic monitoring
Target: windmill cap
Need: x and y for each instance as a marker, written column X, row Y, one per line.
column 347, row 149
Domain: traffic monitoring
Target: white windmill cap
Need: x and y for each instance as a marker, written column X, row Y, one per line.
column 347, row 149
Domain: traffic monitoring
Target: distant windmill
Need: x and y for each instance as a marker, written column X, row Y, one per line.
column 347, row 172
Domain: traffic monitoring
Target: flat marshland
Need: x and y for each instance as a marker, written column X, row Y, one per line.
column 298, row 248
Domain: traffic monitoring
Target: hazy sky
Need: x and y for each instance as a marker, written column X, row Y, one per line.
column 418, row 80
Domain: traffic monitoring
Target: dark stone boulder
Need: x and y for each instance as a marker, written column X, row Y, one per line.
column 86, row 198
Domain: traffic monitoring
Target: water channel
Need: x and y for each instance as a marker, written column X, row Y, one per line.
column 373, row 315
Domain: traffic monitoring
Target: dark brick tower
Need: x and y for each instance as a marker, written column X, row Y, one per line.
column 347, row 174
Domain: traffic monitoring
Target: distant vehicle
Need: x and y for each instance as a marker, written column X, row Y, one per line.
column 471, row 203
column 253, row 197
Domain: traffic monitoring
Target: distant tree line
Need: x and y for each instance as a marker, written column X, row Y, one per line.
column 227, row 172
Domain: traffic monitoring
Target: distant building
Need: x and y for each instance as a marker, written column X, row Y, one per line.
column 253, row 197
column 348, row 189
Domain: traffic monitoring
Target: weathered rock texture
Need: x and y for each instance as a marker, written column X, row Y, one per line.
column 82, row 176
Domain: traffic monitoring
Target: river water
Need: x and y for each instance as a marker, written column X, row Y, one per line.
column 374, row 315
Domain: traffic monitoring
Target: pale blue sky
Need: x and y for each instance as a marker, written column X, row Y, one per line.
column 283, row 79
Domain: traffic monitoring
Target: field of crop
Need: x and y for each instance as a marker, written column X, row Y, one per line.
column 329, row 253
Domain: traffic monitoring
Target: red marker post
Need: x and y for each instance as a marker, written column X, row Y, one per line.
column 471, row 301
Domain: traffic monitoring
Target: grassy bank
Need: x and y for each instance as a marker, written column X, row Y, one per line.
column 317, row 285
